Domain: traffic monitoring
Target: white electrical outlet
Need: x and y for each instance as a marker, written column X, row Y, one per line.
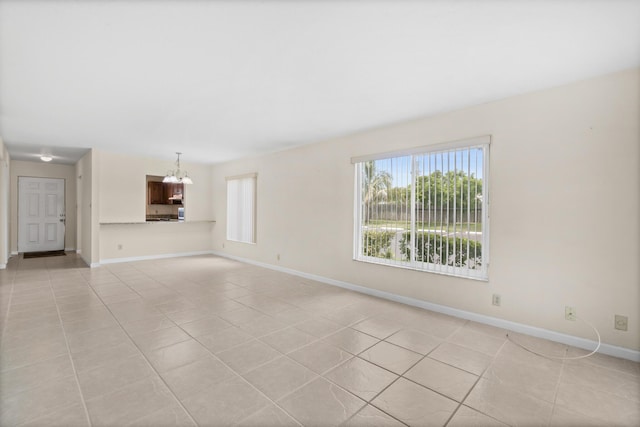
column 570, row 313
column 496, row 300
column 621, row 322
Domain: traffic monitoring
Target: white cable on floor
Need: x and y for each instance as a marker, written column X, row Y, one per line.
column 563, row 358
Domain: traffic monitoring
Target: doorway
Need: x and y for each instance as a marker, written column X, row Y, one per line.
column 41, row 214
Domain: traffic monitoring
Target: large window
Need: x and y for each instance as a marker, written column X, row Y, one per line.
column 241, row 208
column 425, row 208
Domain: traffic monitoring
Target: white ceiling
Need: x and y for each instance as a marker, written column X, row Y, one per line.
column 220, row 80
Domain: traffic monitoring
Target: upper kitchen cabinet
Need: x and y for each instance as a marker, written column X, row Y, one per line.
column 160, row 193
column 156, row 193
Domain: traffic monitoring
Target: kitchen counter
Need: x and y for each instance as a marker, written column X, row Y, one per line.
column 173, row 221
column 162, row 217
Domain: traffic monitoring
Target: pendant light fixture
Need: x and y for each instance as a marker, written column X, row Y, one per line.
column 175, row 177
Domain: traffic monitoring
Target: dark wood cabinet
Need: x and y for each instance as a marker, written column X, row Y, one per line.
column 156, row 194
column 159, row 193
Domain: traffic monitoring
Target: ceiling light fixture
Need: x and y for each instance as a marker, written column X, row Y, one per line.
column 175, row 177
column 46, row 158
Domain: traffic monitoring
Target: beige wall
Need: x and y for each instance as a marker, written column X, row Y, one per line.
column 564, row 208
column 132, row 241
column 44, row 170
column 121, row 189
column 87, row 216
column 4, row 204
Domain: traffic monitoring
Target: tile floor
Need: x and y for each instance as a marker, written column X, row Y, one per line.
column 212, row 342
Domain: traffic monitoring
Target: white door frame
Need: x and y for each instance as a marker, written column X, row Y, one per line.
column 41, row 214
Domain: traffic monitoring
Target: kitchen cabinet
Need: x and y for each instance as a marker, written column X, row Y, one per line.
column 156, row 193
column 160, row 193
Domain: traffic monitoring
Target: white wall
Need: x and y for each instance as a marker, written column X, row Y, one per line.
column 122, row 193
column 122, row 242
column 88, row 227
column 5, row 160
column 45, row 170
column 564, row 208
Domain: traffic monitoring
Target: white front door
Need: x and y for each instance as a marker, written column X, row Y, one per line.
column 41, row 216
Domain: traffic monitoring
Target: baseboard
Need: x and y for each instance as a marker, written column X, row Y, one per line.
column 88, row 261
column 3, row 266
column 152, row 257
column 611, row 350
column 13, row 253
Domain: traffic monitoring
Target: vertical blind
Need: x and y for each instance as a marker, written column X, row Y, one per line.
column 241, row 208
column 425, row 209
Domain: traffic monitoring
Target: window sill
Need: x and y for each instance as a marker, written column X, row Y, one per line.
column 407, row 266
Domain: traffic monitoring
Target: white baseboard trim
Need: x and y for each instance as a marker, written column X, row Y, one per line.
column 152, row 257
column 3, row 266
column 611, row 350
column 88, row 262
column 14, row 253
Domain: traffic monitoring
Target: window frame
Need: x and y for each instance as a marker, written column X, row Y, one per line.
column 482, row 274
column 253, row 207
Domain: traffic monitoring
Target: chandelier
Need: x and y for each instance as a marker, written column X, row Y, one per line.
column 176, row 177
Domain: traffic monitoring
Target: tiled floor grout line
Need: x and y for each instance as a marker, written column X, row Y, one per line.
column 6, row 316
column 144, row 356
column 318, row 375
column 444, row 340
column 407, row 370
column 399, row 376
column 388, row 385
column 403, row 377
column 223, row 363
column 557, row 388
column 290, row 392
column 495, row 356
column 322, row 375
column 73, row 365
column 61, row 306
column 247, row 382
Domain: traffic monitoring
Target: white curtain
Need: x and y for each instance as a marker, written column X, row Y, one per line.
column 241, row 209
